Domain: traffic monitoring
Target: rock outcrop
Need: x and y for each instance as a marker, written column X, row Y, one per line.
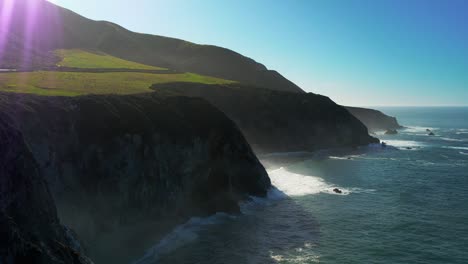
column 274, row 121
column 30, row 231
column 115, row 162
column 391, row 132
column 374, row 120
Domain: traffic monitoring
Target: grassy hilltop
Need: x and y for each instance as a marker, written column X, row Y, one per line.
column 77, row 58
column 79, row 76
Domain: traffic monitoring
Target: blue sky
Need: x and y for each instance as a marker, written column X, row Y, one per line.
column 358, row 52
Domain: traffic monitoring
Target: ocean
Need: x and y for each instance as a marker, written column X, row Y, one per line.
column 406, row 203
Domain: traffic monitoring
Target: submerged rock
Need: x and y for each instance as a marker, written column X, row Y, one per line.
column 391, row 132
column 336, row 190
column 431, row 134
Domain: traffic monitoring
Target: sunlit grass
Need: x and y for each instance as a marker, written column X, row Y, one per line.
column 88, row 60
column 81, row 83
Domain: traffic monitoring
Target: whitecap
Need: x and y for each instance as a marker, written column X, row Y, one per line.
column 340, row 158
column 418, row 129
column 463, row 153
column 452, row 139
column 293, row 184
column 458, row 148
column 403, row 144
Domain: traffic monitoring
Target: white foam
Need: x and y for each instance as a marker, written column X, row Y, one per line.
column 452, row 139
column 463, row 153
column 418, row 129
column 180, row 236
column 458, row 148
column 340, row 158
column 461, row 131
column 293, row 184
column 404, row 143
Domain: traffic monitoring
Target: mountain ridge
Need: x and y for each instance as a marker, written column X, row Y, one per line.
column 62, row 28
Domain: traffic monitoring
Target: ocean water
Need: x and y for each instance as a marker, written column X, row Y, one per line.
column 407, row 203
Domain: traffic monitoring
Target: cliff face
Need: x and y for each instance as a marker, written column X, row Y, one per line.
column 274, row 121
column 374, row 119
column 113, row 162
column 30, row 231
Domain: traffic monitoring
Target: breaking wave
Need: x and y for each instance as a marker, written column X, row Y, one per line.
column 402, row 144
column 418, row 129
column 457, row 148
column 293, row 184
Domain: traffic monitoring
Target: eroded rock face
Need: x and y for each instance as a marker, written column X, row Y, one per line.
column 30, row 231
column 274, row 121
column 114, row 162
column 374, row 120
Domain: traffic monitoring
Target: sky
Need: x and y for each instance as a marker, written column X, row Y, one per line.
column 357, row 52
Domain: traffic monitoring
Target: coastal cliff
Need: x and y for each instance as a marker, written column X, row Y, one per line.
column 30, row 231
column 114, row 162
column 374, row 119
column 275, row 121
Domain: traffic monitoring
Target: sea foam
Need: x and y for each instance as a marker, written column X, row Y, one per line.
column 285, row 184
column 404, row 143
column 418, row 129
column 294, row 184
column 457, row 148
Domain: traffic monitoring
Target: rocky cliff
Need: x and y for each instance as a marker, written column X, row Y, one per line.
column 114, row 163
column 30, row 231
column 374, row 119
column 275, row 121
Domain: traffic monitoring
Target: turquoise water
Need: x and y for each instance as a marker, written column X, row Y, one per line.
column 407, row 203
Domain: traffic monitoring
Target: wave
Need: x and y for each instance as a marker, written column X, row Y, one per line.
column 285, row 184
column 181, row 236
column 452, row 139
column 340, row 158
column 463, row 153
column 462, row 131
column 418, row 129
column 403, row 144
column 457, row 148
column 293, row 184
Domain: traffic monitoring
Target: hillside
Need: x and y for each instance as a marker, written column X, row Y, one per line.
column 53, row 28
column 73, row 83
column 374, row 120
column 77, row 58
column 80, row 72
column 275, row 121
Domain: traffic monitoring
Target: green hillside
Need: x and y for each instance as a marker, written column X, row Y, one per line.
column 76, row 58
column 81, row 83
